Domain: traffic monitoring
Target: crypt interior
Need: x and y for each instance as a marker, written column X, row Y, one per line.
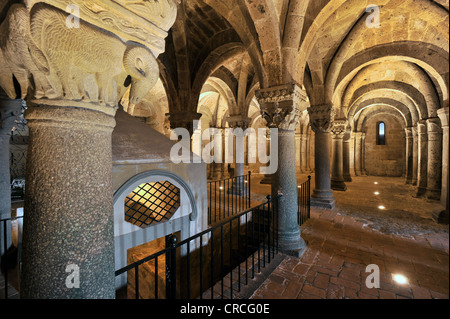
column 352, row 97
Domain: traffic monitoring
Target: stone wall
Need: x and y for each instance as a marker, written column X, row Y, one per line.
column 389, row 159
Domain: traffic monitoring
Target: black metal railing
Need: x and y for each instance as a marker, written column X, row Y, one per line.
column 11, row 257
column 215, row 263
column 304, row 201
column 228, row 197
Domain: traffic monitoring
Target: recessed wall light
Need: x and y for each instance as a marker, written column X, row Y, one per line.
column 381, row 207
column 377, row 193
column 376, row 183
column 400, row 279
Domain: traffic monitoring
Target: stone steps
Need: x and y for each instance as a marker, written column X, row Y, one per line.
column 415, row 257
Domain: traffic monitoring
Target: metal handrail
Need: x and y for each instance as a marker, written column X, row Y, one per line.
column 170, row 252
column 231, row 196
column 304, row 201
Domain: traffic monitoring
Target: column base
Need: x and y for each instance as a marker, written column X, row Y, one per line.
column 292, row 245
column 433, row 194
column 348, row 178
column 440, row 216
column 420, row 192
column 338, row 186
column 323, row 199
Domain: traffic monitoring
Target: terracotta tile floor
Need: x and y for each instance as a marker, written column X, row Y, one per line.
column 341, row 244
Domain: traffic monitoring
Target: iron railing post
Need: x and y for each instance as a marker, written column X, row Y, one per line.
column 171, row 268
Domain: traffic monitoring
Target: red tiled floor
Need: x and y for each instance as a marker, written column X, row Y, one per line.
column 334, row 264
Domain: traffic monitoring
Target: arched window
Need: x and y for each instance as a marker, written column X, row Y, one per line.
column 381, row 133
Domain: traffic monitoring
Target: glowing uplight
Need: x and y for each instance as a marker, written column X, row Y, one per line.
column 400, row 279
column 221, row 187
column 300, row 186
column 376, row 183
column 377, row 193
column 381, row 207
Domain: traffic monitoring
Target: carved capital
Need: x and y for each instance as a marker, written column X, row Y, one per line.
column 421, row 127
column 321, row 118
column 183, row 120
column 239, row 121
column 82, row 53
column 282, row 105
column 434, row 125
column 339, row 129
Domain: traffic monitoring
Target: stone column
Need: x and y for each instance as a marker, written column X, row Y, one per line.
column 441, row 215
column 422, row 158
column 281, row 107
column 238, row 122
column 79, row 76
column 434, row 177
column 415, row 155
column 303, row 154
column 337, row 177
column 357, row 153
column 321, row 118
column 409, row 155
column 308, row 152
column 267, row 179
column 9, row 112
column 298, row 151
column 68, row 203
column 346, row 156
column 363, row 154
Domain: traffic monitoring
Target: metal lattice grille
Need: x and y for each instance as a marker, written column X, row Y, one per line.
column 152, row 203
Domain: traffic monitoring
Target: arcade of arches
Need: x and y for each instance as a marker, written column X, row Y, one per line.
column 358, row 90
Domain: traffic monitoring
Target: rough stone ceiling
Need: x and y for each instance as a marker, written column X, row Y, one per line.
column 351, row 62
column 242, row 41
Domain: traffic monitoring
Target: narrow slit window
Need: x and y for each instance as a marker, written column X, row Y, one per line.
column 381, row 133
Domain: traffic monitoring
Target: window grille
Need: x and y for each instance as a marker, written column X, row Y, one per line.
column 152, row 203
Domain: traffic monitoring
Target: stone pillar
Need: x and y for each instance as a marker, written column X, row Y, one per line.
column 409, row 155
column 321, row 118
column 441, row 215
column 79, row 75
column 434, row 177
column 415, row 155
column 303, row 153
column 337, row 177
column 363, row 154
column 298, row 151
column 9, row 112
column 281, row 107
column 238, row 122
column 357, row 153
column 267, row 179
column 346, row 156
column 68, row 203
column 422, row 158
column 308, row 152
